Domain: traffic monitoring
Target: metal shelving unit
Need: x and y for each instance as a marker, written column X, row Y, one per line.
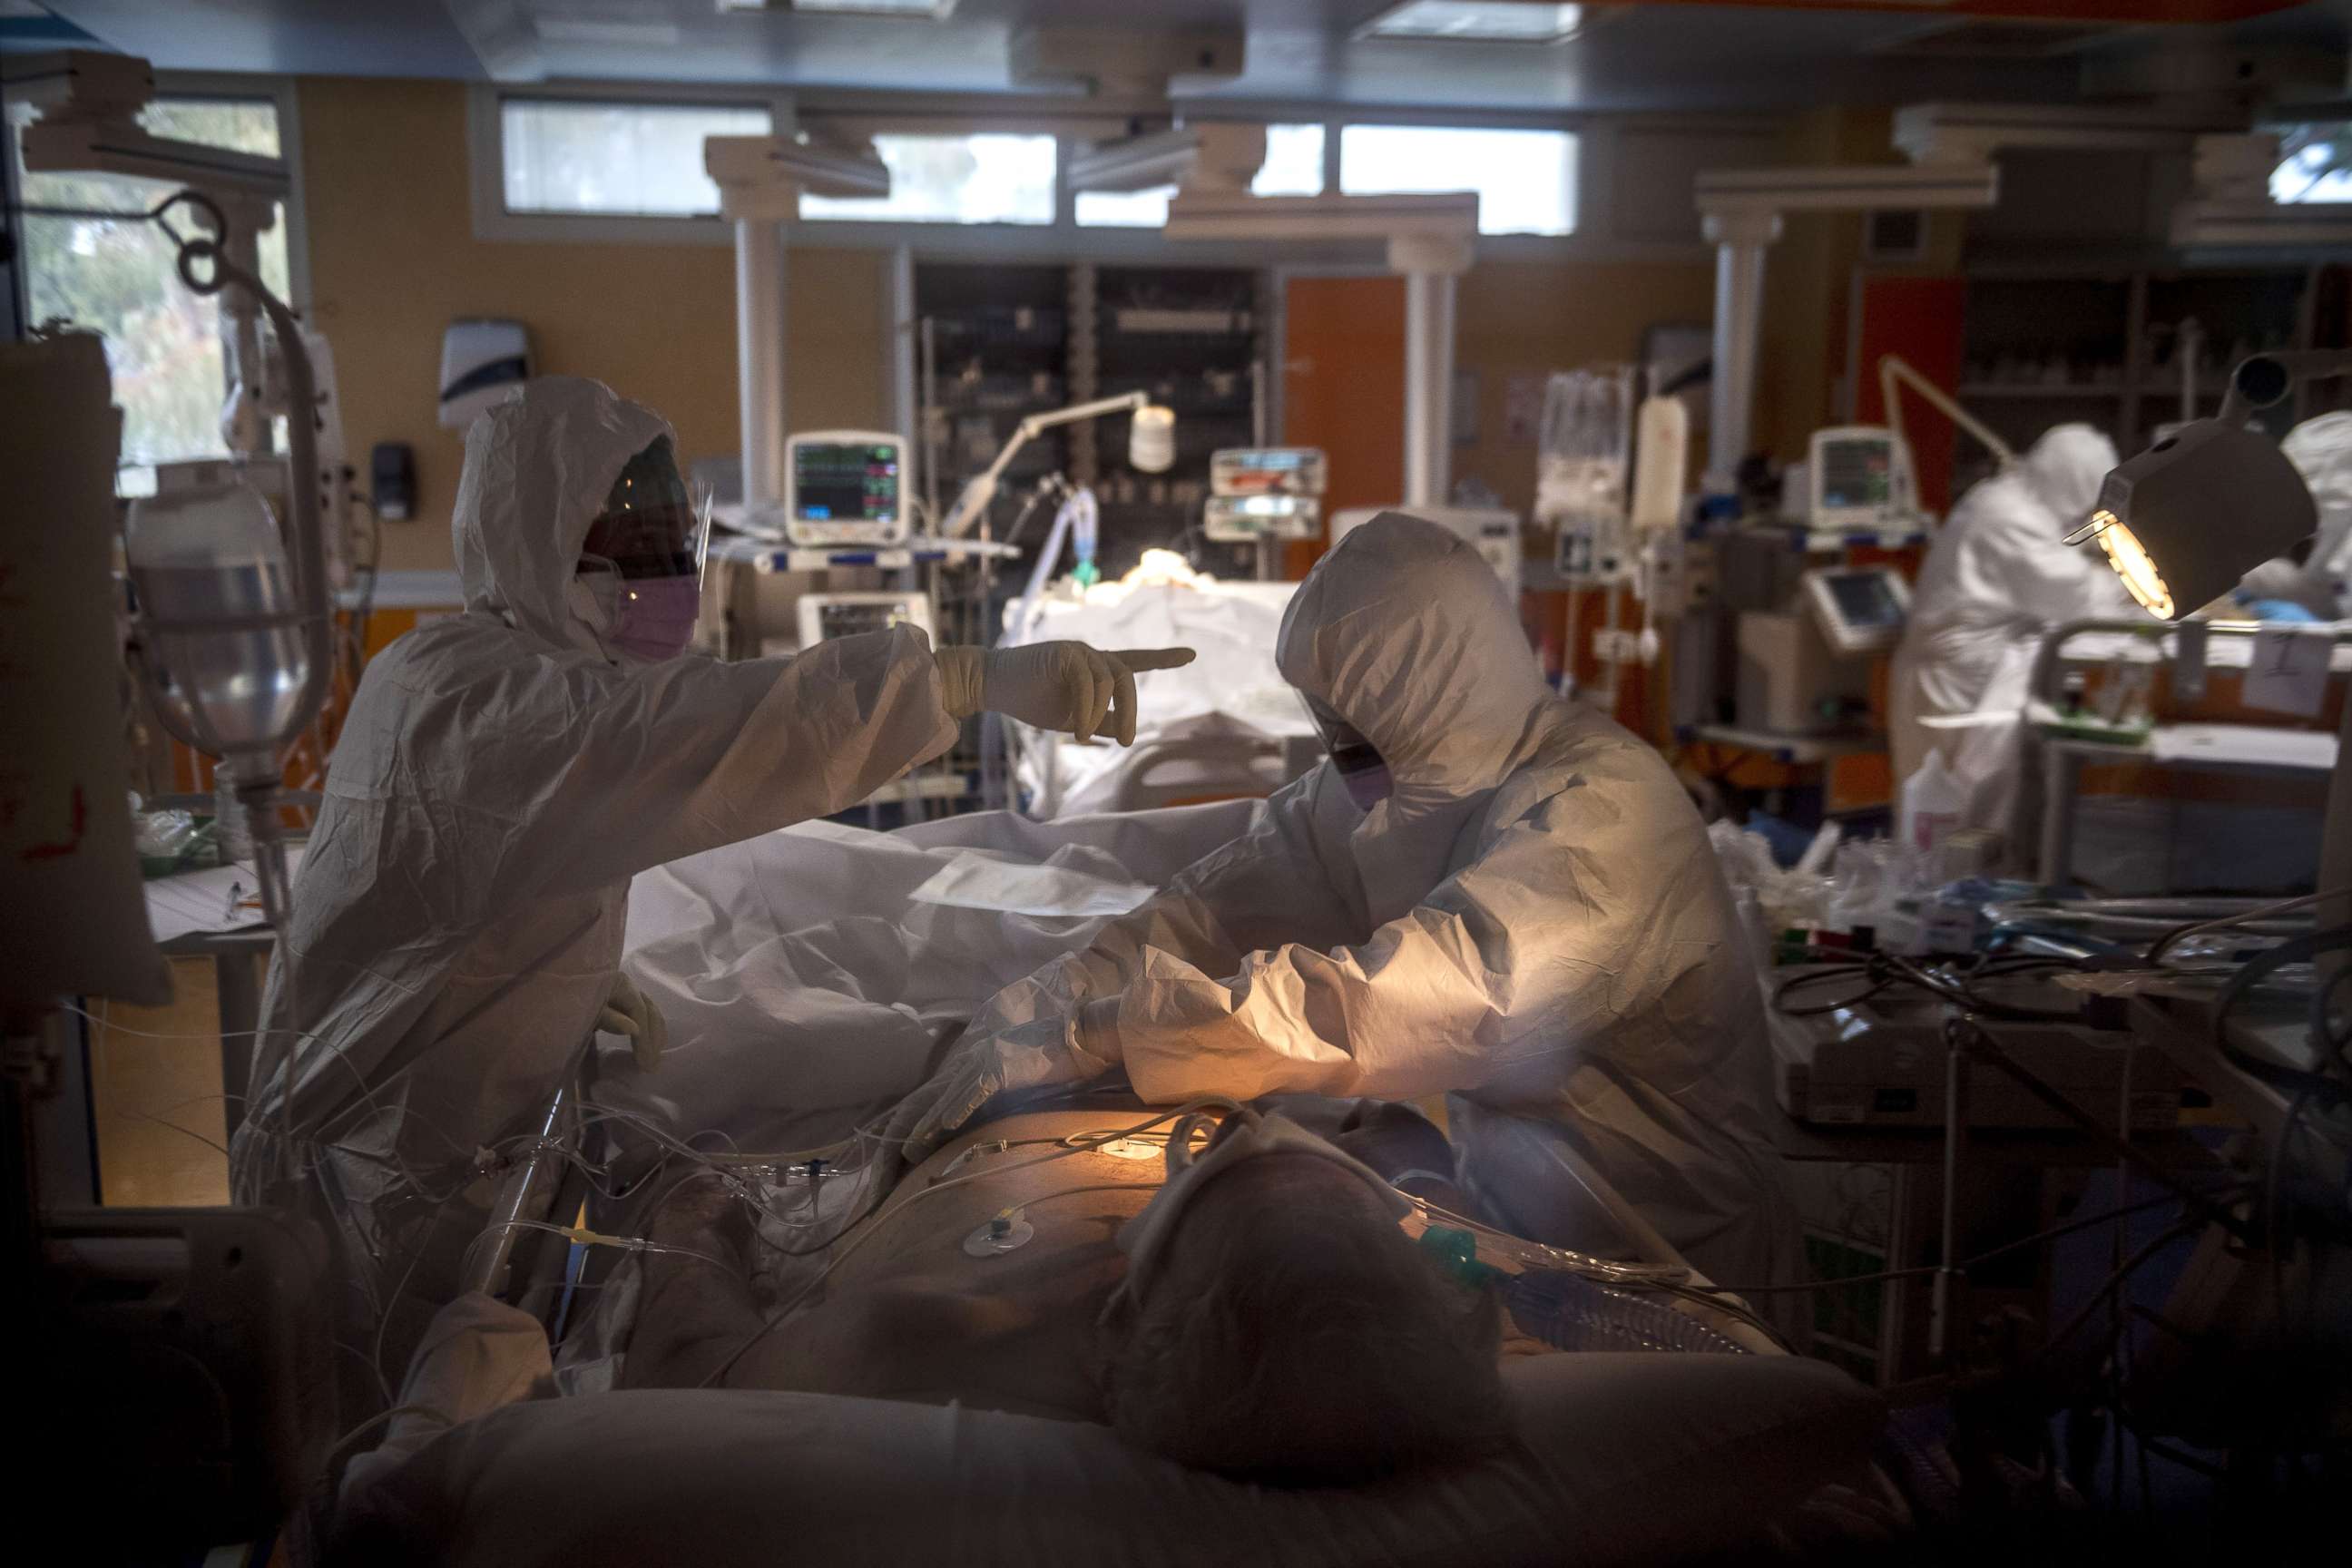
column 2104, row 346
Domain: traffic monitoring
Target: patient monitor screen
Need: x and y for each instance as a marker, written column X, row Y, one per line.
column 1856, row 475
column 1864, row 601
column 845, row 481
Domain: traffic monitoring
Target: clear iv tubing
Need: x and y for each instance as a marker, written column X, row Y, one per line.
column 835, row 1261
column 1539, row 1255
column 1533, row 1253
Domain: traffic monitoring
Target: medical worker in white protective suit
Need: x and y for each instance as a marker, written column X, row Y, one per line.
column 2315, row 581
column 456, row 927
column 1998, row 575
column 1485, row 888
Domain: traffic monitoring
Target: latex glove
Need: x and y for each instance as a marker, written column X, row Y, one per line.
column 628, row 1012
column 1067, row 1049
column 1066, row 686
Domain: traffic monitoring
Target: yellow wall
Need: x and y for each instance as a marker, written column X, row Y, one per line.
column 393, row 260
column 1515, row 320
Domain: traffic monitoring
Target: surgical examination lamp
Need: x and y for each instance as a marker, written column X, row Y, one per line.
column 2181, row 523
column 1150, row 449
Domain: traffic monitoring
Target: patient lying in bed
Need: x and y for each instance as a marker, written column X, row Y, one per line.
column 1270, row 1319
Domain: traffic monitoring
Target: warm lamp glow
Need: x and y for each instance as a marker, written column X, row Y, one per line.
column 2133, row 564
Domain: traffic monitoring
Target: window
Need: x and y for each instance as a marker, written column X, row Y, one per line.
column 2318, row 165
column 1294, row 163
column 985, row 178
column 1292, row 167
column 1526, row 180
column 1480, row 21
column 119, row 278
column 1125, row 209
column 618, row 160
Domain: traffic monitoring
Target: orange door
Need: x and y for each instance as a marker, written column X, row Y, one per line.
column 1920, row 318
column 1343, row 390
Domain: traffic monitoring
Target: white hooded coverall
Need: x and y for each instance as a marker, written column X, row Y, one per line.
column 1534, row 918
column 457, row 917
column 1998, row 575
column 2321, row 450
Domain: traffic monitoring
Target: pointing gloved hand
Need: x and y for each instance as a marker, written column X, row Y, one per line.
column 628, row 1012
column 1064, row 686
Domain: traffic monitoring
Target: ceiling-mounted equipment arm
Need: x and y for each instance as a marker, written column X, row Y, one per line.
column 1893, row 368
column 973, row 503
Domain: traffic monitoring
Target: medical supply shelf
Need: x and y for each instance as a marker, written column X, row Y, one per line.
column 2118, row 332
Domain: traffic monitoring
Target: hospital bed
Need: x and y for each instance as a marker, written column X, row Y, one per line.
column 1623, row 1455
column 1226, row 726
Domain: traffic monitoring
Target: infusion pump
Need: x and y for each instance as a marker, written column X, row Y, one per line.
column 1265, row 493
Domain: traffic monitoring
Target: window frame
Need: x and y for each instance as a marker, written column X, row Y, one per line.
column 486, row 164
column 2286, row 130
column 1073, row 123
column 282, row 94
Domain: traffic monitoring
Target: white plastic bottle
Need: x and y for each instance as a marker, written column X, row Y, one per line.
column 1932, row 803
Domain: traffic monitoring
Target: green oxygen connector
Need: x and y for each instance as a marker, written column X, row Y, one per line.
column 1456, row 1252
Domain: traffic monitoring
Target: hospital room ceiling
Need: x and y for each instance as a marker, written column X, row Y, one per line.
column 1657, row 54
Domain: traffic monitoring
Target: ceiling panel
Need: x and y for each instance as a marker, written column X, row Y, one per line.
column 1665, row 54
column 325, row 37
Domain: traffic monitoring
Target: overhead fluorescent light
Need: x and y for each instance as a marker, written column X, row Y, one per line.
column 931, row 10
column 1478, row 21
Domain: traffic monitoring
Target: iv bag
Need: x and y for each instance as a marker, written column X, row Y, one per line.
column 1584, row 452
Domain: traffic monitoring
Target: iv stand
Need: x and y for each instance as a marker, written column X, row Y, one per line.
column 255, row 771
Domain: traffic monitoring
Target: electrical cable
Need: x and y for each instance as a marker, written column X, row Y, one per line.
column 2131, row 1266
column 2172, row 938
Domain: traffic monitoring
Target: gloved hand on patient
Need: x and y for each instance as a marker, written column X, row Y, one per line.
column 995, row 1055
column 1064, row 686
column 628, row 1012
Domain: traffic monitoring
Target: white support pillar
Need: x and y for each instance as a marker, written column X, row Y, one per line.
column 760, row 355
column 1430, row 261
column 1428, row 387
column 1742, row 241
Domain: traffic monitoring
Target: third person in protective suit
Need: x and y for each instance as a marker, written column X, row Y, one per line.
column 1487, row 890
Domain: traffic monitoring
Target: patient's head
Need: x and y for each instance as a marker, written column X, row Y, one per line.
column 1293, row 1332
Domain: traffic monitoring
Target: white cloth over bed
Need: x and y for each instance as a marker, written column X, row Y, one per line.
column 807, row 988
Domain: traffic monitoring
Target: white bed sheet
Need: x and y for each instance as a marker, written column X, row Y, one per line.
column 1232, row 690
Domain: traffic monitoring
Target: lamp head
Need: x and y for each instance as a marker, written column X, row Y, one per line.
column 2185, row 519
column 1151, row 439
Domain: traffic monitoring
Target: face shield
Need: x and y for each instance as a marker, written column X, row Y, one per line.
column 644, row 555
column 1363, row 771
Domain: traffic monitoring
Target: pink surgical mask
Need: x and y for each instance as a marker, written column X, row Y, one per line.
column 656, row 617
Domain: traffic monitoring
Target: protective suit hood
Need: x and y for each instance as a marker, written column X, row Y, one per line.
column 1405, row 632
column 2066, row 467
column 2321, row 450
column 538, row 468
